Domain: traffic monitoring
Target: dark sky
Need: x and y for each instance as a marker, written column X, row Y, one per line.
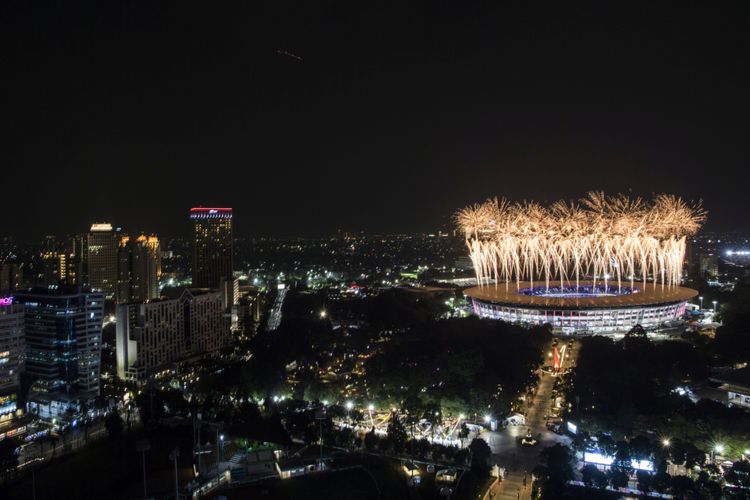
column 395, row 116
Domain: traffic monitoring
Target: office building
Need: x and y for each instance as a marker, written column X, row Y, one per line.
column 102, row 259
column 11, row 361
column 139, row 269
column 11, row 276
column 213, row 243
column 154, row 337
column 63, row 335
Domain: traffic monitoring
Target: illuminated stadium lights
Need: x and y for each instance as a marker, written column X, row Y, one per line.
column 580, row 267
column 617, row 238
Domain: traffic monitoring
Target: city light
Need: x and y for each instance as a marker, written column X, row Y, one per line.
column 719, row 448
column 487, row 419
column 349, row 405
column 665, row 443
column 615, row 238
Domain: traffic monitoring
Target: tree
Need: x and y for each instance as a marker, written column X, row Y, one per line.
column 371, row 440
column 8, row 457
column 397, row 434
column 661, row 482
column 682, row 486
column 480, row 455
column 645, row 480
column 114, row 424
column 559, row 460
column 618, row 478
column 463, row 432
column 588, row 474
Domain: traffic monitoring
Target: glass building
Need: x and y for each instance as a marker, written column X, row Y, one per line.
column 63, row 337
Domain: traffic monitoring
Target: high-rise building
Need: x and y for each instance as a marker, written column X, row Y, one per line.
column 139, row 269
column 11, row 360
column 63, row 338
column 54, row 262
column 102, row 259
column 11, row 276
column 152, row 337
column 76, row 269
column 213, row 242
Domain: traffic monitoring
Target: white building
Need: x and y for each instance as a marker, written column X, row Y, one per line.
column 153, row 336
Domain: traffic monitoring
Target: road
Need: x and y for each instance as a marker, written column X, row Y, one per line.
column 274, row 319
column 520, row 460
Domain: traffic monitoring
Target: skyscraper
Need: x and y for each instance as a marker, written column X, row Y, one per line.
column 11, row 359
column 213, row 255
column 139, row 269
column 63, row 337
column 102, row 259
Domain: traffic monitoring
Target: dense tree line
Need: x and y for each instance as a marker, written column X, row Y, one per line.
column 457, row 365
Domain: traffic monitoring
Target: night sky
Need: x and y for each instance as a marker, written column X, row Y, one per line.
column 316, row 117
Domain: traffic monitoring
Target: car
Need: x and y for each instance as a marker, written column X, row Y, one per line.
column 446, row 476
column 528, row 441
column 555, row 427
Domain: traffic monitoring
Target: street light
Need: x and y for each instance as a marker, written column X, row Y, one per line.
column 371, row 407
column 719, row 448
column 221, row 447
column 715, row 302
column 487, row 419
column 665, row 442
column 701, row 299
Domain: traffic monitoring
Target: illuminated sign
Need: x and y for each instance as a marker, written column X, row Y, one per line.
column 101, row 227
column 607, row 460
column 210, row 213
column 6, row 301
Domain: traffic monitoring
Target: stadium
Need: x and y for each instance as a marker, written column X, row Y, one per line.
column 602, row 265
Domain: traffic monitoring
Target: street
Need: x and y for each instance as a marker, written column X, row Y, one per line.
column 518, row 460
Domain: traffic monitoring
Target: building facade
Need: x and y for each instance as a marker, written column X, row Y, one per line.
column 213, row 243
column 102, row 259
column 11, row 359
column 139, row 269
column 153, row 336
column 63, row 339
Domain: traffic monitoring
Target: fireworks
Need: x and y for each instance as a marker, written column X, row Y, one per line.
column 610, row 239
